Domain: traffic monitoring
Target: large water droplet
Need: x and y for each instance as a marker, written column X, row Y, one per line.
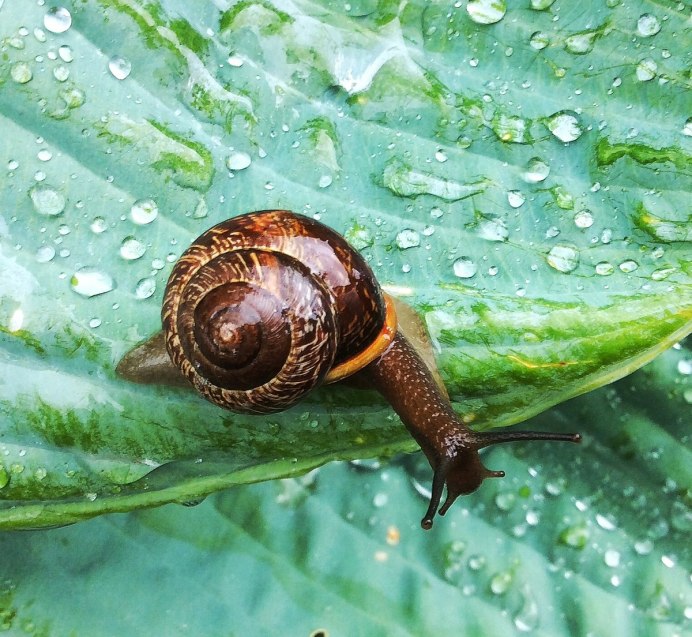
column 581, row 43
column 563, row 257
column 541, row 5
column 21, row 73
column 65, row 53
column 628, row 266
column 464, row 268
column 493, row 230
column 527, row 617
column 536, row 171
column 500, row 582
column 539, row 40
column 119, row 67
column 131, row 249
column 646, row 70
column 238, row 161
column 145, row 288
column 144, row 211
column 648, row 25
column 486, row 11
column 407, row 238
column 44, row 254
column 47, row 200
column 89, row 281
column 565, row 126
column 57, row 20
column 583, row 219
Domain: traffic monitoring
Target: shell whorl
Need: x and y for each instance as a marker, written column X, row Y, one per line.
column 259, row 308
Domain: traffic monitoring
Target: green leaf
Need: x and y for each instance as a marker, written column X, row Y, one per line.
column 530, row 201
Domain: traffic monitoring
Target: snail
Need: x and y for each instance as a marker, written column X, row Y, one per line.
column 264, row 307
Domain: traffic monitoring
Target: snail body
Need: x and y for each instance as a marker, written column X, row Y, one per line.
column 264, row 307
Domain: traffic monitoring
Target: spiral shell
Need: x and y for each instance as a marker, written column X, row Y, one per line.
column 260, row 307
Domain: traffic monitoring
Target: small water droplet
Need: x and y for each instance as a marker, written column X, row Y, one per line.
column 687, row 128
column 89, row 281
column 325, row 181
column 527, row 617
column 583, row 219
column 21, row 73
column 575, row 536
column 235, row 61
column 565, row 126
column 57, row 20
column 541, row 5
column 536, row 171
column 407, row 238
column 505, row 500
column 94, row 323
column 47, row 200
column 646, row 70
column 611, row 558
column 131, row 249
column 119, row 67
column 648, row 25
column 606, row 522
column 643, row 547
column 563, row 257
column 145, row 288
column 441, row 156
column 476, row 562
column 98, row 225
column 500, row 582
column 380, row 500
column 464, row 268
column 486, row 11
column 238, row 161
column 144, row 211
column 516, row 198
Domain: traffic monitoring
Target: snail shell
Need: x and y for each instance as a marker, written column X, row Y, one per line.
column 262, row 308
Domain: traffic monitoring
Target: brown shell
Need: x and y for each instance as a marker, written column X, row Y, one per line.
column 272, row 268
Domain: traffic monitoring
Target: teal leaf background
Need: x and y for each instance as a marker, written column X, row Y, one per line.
column 523, row 184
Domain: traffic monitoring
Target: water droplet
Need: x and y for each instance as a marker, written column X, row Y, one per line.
column 13, row 164
column 505, row 500
column 44, row 155
column 516, row 198
column 687, row 128
column 486, row 11
column 144, row 211
column 509, row 129
column 528, row 616
column 72, row 96
column 563, row 257
column 643, row 547
column 581, row 43
column 65, row 53
column 583, row 219
column 235, row 61
column 21, row 73
column 464, row 268
column 612, row 558
column 648, row 25
column 575, row 536
column 493, row 229
column 646, row 70
column 45, row 254
column 628, row 266
column 88, row 282
column 325, row 181
column 500, row 582
column 47, row 200
column 407, row 238
column 98, row 225
column 145, row 288
column 563, row 199
column 57, row 20
column 662, row 273
column 606, row 522
column 539, row 40
column 565, row 126
column 119, row 67
column 238, row 161
column 360, row 237
column 541, row 5
column 536, row 171
column 61, row 73
column 476, row 562
column 94, row 323
column 131, row 249
column 453, row 566
column 441, row 156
